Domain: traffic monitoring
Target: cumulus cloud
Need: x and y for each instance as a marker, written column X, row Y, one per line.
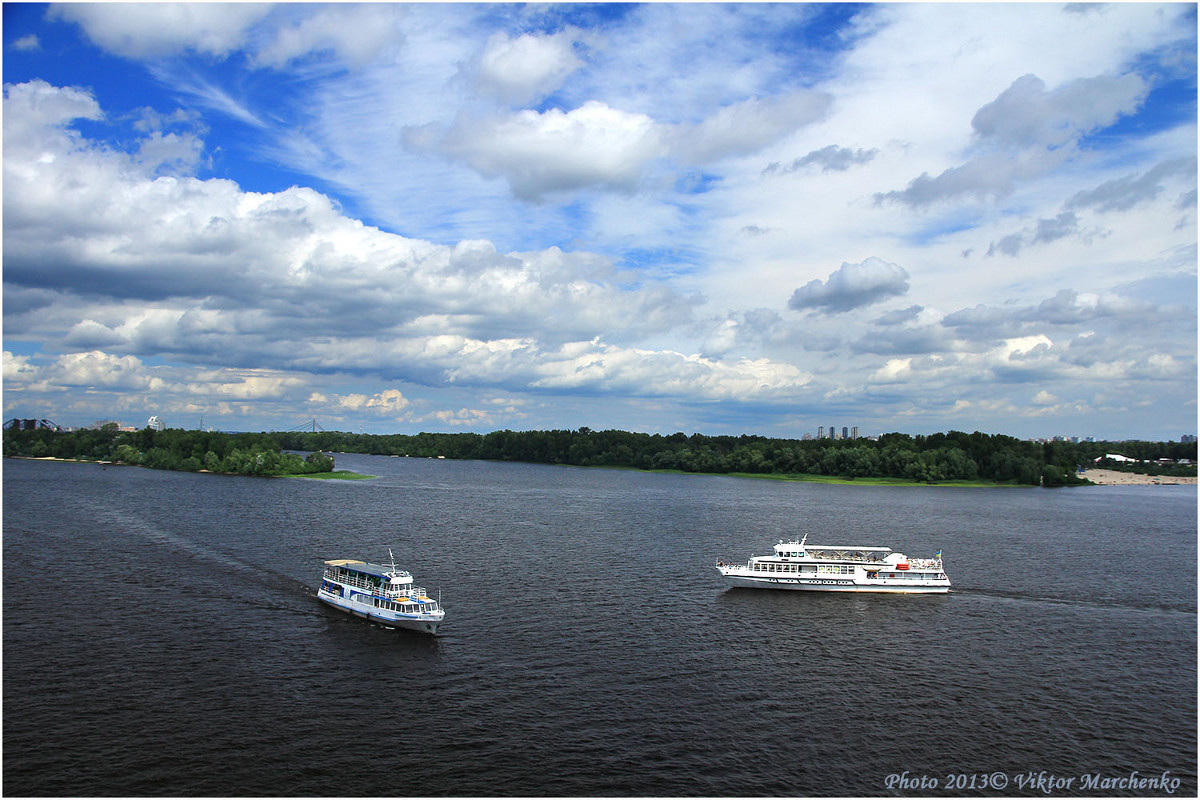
column 92, row 370
column 852, row 286
column 1026, row 131
column 521, row 70
column 541, row 153
column 36, row 110
column 145, row 30
column 201, row 272
column 113, row 232
column 115, row 249
column 598, row 146
column 666, row 373
column 388, row 402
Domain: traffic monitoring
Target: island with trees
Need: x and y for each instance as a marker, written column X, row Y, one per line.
column 172, row 448
column 940, row 458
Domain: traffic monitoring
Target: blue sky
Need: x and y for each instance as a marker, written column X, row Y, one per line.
column 657, row 217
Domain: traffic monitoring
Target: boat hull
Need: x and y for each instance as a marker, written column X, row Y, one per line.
column 847, row 584
column 423, row 623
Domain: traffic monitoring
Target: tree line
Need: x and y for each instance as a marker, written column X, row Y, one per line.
column 951, row 456
column 173, row 448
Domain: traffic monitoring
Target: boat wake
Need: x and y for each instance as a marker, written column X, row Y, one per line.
column 1069, row 602
column 216, row 562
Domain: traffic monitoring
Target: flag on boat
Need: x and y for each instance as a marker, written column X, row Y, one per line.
column 938, row 554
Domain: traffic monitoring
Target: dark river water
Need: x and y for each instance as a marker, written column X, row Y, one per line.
column 162, row 637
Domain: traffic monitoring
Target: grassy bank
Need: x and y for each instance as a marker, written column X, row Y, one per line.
column 337, row 475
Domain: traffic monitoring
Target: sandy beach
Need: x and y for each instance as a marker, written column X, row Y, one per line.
column 1108, row 477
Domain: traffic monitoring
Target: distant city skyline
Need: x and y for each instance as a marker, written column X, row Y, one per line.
column 718, row 218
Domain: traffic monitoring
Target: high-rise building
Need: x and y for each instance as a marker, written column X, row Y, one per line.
column 821, row 432
column 845, row 432
column 854, row 432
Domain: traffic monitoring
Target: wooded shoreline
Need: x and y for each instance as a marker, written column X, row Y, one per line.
column 944, row 458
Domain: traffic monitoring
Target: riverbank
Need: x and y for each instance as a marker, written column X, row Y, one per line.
column 1110, row 477
column 340, row 474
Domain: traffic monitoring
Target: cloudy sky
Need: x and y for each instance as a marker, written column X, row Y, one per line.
column 701, row 218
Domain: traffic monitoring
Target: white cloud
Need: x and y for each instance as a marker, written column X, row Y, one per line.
column 202, row 272
column 684, row 170
column 145, row 30
column 36, row 110
column 523, row 69
column 1027, row 115
column 746, row 126
column 354, row 33
column 246, row 385
column 1044, row 398
column 1025, row 132
column 387, row 402
column 542, row 153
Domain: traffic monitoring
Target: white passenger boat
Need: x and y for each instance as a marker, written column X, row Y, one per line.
column 380, row 593
column 838, row 568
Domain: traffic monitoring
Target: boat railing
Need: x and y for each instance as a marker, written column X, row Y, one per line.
column 360, row 582
column 924, row 563
column 833, row 555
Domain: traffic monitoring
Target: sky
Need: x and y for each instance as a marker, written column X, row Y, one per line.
column 708, row 218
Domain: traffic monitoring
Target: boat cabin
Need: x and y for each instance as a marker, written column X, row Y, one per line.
column 365, row 575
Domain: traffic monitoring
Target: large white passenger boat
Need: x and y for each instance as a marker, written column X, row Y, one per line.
column 837, row 568
column 382, row 594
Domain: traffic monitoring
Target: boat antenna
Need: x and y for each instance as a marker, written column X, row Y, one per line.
column 393, row 559
column 803, row 540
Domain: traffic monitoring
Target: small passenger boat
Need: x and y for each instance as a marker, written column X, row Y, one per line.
column 838, row 568
column 380, row 593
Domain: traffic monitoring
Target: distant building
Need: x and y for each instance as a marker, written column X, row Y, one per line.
column 821, row 432
column 155, row 424
column 100, row 423
column 854, row 432
column 1187, row 438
